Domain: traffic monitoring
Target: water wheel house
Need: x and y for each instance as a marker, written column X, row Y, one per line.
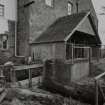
column 69, row 38
column 77, row 31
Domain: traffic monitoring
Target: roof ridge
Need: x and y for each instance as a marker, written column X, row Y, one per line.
column 60, row 29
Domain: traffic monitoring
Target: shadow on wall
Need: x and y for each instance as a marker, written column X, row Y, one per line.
column 56, row 71
column 4, row 56
column 39, row 56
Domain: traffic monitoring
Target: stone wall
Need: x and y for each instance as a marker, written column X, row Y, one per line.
column 48, row 51
column 64, row 73
column 23, row 28
column 79, row 70
column 41, row 16
column 11, row 36
column 35, row 18
column 10, row 51
column 60, row 51
column 42, row 51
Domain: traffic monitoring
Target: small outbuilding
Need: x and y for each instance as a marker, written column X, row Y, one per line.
column 73, row 30
column 70, row 38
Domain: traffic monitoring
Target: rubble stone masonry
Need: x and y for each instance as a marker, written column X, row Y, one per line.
column 34, row 19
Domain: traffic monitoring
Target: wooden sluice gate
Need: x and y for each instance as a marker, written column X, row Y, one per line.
column 8, row 73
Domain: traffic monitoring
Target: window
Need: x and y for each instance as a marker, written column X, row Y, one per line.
column 69, row 8
column 79, row 52
column 4, row 42
column 1, row 10
column 49, row 3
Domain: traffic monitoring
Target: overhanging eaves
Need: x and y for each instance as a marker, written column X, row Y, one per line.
column 81, row 22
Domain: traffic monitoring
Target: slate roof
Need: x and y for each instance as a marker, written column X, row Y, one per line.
column 60, row 29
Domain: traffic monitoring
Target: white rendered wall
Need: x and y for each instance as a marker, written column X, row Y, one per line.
column 10, row 13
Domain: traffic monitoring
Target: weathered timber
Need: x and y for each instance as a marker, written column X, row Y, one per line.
column 30, row 93
column 30, row 78
column 84, row 93
column 3, row 95
column 25, row 67
column 99, row 76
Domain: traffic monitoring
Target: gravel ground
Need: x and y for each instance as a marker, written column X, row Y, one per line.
column 36, row 97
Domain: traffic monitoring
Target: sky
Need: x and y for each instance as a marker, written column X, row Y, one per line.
column 98, row 4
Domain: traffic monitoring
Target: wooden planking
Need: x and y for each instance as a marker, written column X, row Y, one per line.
column 99, row 76
column 23, row 67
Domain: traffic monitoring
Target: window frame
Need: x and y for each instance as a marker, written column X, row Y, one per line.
column 1, row 10
column 71, row 4
column 4, row 41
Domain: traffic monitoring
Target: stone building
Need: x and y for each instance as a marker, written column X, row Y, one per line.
column 36, row 16
column 48, row 29
column 57, row 40
column 8, row 26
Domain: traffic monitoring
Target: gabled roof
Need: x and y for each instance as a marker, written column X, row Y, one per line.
column 95, row 30
column 61, row 29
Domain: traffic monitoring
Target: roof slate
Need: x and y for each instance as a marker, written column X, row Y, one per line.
column 60, row 29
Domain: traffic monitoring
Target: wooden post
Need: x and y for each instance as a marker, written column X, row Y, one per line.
column 30, row 78
column 89, row 55
column 1, row 73
column 100, row 53
column 12, row 75
column 72, row 54
column 2, row 77
column 96, row 92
